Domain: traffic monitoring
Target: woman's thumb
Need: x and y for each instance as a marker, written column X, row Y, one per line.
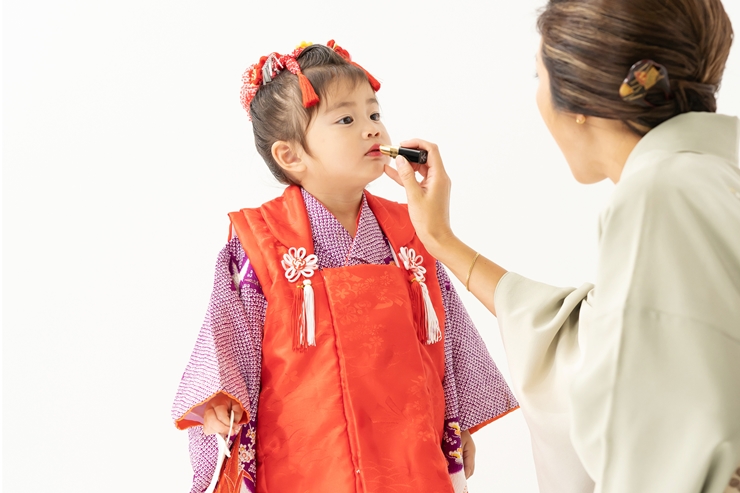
column 408, row 176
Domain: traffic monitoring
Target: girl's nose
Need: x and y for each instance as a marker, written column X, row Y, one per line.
column 372, row 133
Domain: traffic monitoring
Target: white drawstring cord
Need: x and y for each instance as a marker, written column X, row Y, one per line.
column 223, row 452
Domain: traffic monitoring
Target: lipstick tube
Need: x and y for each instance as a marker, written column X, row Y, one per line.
column 413, row 155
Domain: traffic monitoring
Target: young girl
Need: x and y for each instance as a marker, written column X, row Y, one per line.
column 334, row 342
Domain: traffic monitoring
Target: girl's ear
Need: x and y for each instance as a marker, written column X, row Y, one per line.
column 289, row 156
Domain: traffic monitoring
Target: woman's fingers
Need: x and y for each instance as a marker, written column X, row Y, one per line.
column 393, row 174
column 423, row 171
column 407, row 175
column 420, row 144
column 434, row 159
column 428, row 200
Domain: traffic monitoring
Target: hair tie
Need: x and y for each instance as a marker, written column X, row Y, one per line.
column 268, row 67
column 641, row 78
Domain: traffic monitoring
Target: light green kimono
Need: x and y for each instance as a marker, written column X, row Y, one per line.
column 635, row 384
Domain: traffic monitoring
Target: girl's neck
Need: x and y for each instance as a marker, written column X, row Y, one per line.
column 344, row 205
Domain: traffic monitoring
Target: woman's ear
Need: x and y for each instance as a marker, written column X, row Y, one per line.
column 289, row 156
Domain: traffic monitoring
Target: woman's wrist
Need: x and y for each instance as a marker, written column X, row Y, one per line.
column 441, row 245
column 478, row 274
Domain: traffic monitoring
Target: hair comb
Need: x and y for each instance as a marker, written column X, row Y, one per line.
column 641, row 78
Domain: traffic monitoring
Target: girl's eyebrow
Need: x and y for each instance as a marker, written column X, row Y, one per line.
column 349, row 104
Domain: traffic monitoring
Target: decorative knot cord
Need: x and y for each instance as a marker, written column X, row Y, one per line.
column 297, row 264
column 427, row 324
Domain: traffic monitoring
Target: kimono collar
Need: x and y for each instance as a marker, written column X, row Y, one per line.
column 333, row 244
column 700, row 133
column 314, row 228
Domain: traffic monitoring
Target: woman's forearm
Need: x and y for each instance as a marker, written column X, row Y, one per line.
column 458, row 258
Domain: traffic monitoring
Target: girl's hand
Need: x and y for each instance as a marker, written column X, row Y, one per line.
column 468, row 453
column 217, row 414
column 429, row 200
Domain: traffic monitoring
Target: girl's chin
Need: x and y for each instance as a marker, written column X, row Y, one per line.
column 380, row 171
column 362, row 177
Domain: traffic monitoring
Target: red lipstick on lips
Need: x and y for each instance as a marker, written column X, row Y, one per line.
column 374, row 151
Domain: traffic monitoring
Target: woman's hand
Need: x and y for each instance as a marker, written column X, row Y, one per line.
column 429, row 200
column 468, row 453
column 217, row 414
column 429, row 208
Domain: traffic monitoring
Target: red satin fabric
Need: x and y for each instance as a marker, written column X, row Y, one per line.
column 363, row 410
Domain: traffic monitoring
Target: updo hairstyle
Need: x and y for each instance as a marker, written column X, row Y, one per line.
column 277, row 110
column 588, row 47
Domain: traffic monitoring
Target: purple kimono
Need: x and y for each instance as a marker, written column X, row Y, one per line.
column 227, row 353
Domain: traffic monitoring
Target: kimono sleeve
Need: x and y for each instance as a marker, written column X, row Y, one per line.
column 475, row 391
column 226, row 358
column 539, row 326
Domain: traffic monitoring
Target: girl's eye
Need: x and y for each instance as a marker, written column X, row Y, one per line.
column 375, row 117
column 346, row 120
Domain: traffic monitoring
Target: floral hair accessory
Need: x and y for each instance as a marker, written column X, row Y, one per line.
column 268, row 67
column 641, row 78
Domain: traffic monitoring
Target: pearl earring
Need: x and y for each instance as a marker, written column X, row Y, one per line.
column 580, row 119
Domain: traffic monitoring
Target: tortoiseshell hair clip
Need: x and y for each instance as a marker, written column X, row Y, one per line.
column 641, row 78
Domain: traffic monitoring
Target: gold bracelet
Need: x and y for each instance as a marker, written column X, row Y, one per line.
column 470, row 271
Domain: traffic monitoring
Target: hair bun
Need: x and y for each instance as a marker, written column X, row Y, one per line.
column 694, row 96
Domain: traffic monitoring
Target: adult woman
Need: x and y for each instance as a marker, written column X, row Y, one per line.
column 634, row 385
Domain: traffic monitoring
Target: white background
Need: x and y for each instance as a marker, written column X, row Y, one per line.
column 124, row 146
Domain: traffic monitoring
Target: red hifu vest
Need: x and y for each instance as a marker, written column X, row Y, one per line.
column 362, row 410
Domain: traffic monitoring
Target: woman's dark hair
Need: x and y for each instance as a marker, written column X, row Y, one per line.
column 277, row 109
column 588, row 47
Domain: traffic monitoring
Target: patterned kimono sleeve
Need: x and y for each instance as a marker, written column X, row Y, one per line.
column 226, row 358
column 476, row 393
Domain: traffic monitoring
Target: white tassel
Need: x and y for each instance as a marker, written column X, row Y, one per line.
column 223, row 452
column 434, row 333
column 309, row 316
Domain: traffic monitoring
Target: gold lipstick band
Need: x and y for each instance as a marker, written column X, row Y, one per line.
column 389, row 151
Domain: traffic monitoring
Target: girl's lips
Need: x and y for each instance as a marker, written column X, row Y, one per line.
column 374, row 151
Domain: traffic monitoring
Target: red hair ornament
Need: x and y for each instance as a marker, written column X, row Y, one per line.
column 268, row 67
column 345, row 54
